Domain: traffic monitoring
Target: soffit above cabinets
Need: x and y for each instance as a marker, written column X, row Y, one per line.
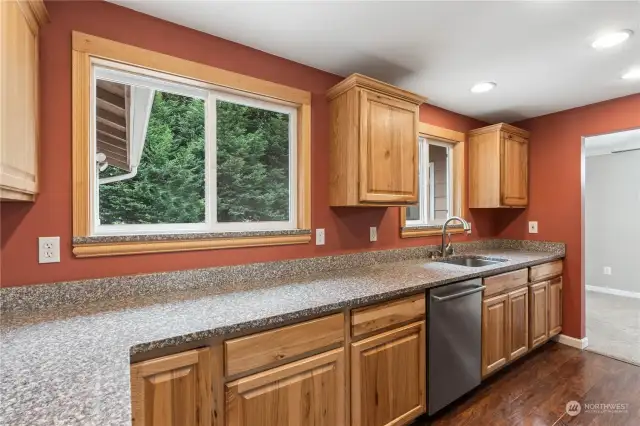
column 539, row 53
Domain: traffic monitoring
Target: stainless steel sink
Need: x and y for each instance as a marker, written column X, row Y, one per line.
column 472, row 262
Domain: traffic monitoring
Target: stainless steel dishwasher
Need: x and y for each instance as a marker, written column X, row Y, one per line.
column 454, row 341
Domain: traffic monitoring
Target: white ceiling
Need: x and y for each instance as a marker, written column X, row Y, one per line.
column 539, row 52
column 606, row 144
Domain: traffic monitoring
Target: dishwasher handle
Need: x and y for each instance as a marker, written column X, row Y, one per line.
column 457, row 295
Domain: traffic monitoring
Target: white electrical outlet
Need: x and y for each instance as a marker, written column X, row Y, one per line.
column 469, row 227
column 373, row 233
column 533, row 227
column 607, row 270
column 320, row 236
column 49, row 249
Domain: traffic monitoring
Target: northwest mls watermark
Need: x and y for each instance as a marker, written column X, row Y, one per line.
column 574, row 408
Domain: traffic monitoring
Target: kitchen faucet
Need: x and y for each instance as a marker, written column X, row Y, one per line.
column 465, row 226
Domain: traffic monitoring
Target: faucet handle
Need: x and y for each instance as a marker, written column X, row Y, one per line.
column 449, row 250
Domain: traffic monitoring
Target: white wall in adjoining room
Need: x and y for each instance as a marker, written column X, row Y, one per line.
column 612, row 220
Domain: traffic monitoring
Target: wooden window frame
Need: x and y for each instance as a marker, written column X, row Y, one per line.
column 458, row 184
column 426, row 198
column 87, row 47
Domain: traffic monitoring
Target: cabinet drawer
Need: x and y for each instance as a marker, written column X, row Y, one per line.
column 545, row 271
column 503, row 282
column 376, row 317
column 258, row 350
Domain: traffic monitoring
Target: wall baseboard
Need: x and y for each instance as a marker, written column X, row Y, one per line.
column 572, row 341
column 612, row 291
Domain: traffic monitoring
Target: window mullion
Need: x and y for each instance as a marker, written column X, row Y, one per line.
column 293, row 170
column 211, row 176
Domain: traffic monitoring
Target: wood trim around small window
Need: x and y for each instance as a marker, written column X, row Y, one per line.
column 458, row 182
column 85, row 47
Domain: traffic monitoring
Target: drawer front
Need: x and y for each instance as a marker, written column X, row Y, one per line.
column 258, row 350
column 545, row 271
column 376, row 317
column 504, row 282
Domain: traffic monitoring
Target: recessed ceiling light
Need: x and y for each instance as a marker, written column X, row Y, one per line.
column 485, row 86
column 633, row 74
column 611, row 39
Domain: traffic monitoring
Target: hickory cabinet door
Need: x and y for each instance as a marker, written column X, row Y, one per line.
column 388, row 377
column 514, row 171
column 519, row 323
column 538, row 314
column 495, row 333
column 309, row 392
column 555, row 306
column 19, row 101
column 172, row 391
column 388, row 149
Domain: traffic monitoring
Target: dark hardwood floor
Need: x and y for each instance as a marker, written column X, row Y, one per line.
column 536, row 389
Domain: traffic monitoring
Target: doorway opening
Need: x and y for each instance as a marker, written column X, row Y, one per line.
column 612, row 244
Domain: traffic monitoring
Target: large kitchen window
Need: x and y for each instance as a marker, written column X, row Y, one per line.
column 168, row 152
column 434, row 184
column 175, row 157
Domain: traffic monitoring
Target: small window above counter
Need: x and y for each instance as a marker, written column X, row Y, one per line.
column 373, row 149
column 441, row 183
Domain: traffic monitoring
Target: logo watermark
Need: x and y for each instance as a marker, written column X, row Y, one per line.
column 573, row 408
column 610, row 407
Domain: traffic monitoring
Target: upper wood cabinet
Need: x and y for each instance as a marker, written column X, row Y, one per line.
column 498, row 167
column 173, row 391
column 19, row 23
column 374, row 143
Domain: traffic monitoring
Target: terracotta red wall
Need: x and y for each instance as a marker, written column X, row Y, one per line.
column 555, row 188
column 347, row 230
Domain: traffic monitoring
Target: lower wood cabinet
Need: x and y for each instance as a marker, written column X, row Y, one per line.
column 307, row 392
column 555, row 306
column 516, row 320
column 495, row 333
column 388, row 377
column 505, row 329
column 173, row 391
column 298, row 375
column 538, row 314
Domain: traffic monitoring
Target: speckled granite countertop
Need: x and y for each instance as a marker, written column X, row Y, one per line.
column 70, row 365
